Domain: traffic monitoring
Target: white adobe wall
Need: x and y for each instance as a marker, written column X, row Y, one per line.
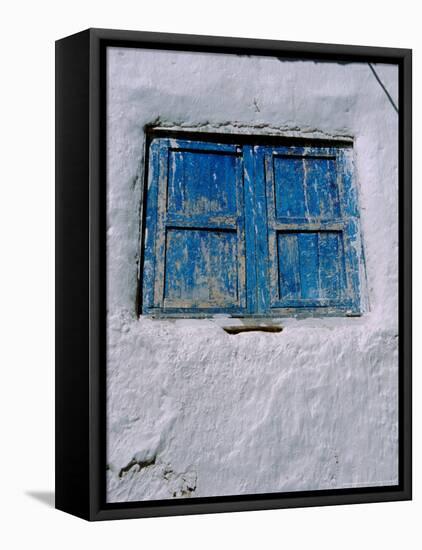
column 193, row 411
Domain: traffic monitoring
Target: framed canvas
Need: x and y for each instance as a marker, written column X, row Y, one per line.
column 233, row 274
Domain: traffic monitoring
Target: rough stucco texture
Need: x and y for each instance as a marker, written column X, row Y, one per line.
column 193, row 411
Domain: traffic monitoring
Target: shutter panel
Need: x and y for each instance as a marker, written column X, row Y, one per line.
column 198, row 247
column 307, row 229
column 311, row 266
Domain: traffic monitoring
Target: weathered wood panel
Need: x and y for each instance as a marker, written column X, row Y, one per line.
column 313, row 234
column 201, row 268
column 305, row 187
column 250, row 229
column 195, row 212
column 202, row 183
column 311, row 266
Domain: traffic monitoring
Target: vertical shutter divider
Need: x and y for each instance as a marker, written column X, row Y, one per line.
column 249, row 213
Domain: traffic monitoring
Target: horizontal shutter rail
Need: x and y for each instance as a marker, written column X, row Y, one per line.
column 199, row 147
column 185, row 310
column 301, row 156
column 202, row 222
column 303, row 302
column 292, row 151
column 307, row 226
column 216, row 306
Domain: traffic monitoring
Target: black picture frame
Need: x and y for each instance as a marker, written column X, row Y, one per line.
column 81, row 274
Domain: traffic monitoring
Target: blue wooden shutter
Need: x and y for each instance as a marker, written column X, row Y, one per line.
column 194, row 255
column 312, row 221
column 250, row 230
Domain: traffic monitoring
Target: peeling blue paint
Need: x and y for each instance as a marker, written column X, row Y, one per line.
column 244, row 230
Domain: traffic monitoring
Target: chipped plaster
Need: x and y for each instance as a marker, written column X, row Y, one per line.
column 194, row 411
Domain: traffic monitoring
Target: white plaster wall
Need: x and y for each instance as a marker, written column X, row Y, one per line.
column 193, row 411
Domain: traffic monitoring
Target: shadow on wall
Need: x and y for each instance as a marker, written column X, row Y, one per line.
column 45, row 497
